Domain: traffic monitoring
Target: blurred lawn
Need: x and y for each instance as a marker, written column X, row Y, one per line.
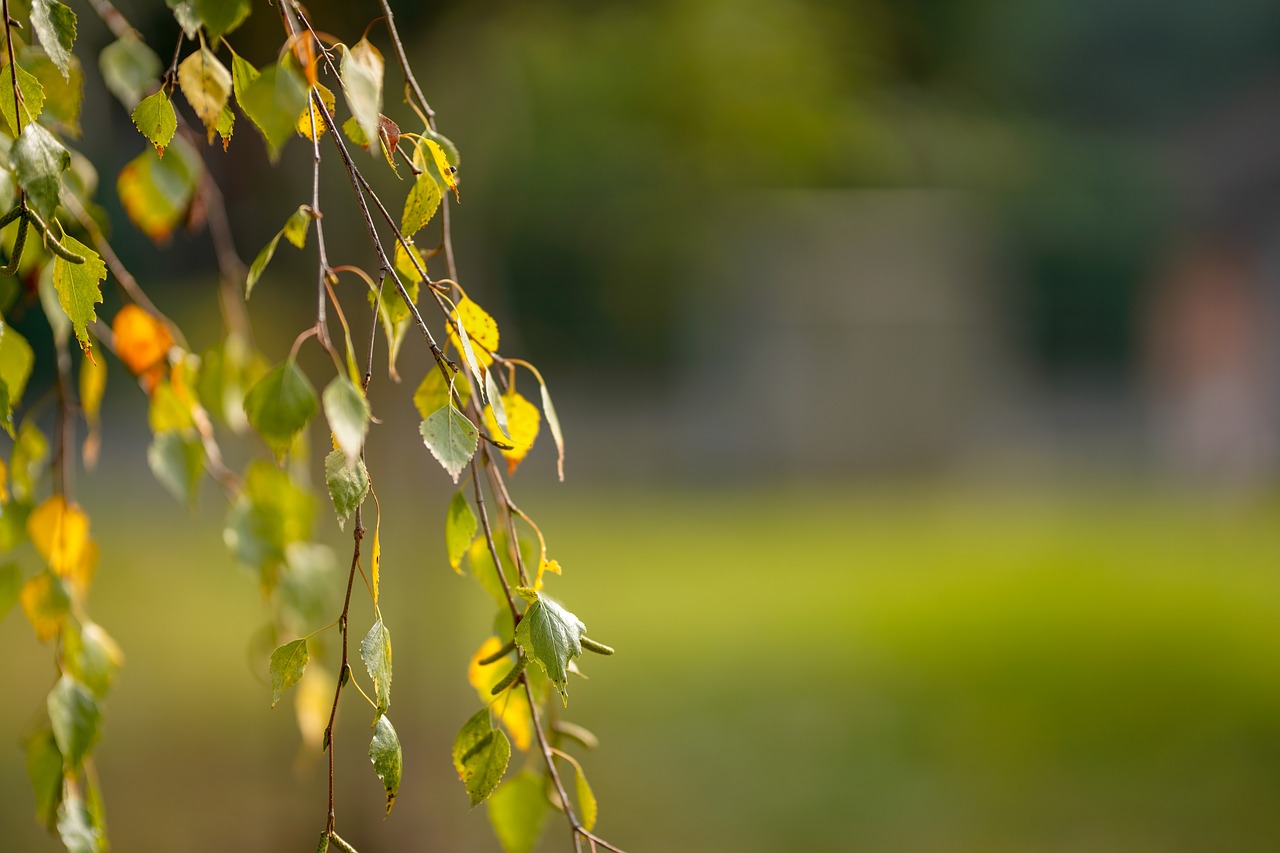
column 820, row 670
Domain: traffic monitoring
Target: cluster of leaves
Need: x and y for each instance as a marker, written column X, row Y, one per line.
column 467, row 399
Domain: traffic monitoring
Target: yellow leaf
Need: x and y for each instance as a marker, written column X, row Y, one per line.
column 60, row 532
column 311, row 704
column 446, row 171
column 304, row 120
column 45, row 602
column 523, row 420
column 171, row 408
column 544, row 566
column 511, row 705
column 142, row 341
column 481, row 327
column 375, row 559
column 4, row 482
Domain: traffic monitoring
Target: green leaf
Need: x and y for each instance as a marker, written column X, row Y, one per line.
column 55, row 26
column 553, row 421
column 361, row 70
column 156, row 120
column 75, row 827
column 44, row 769
column 16, row 359
column 129, row 69
column 352, row 129
column 281, row 405
column 433, row 391
column 480, row 755
column 551, row 636
column 588, row 808
column 451, row 438
column 288, row 663
column 375, row 651
column 221, row 16
column 273, row 101
column 422, row 202
column 79, row 286
column 348, row 483
column 75, row 716
column 206, row 83
column 225, row 124
column 242, row 74
column 518, row 811
column 295, row 230
column 384, row 752
column 10, row 585
column 27, row 460
column 177, row 462
column 184, row 12
column 32, row 101
column 459, row 529
column 38, row 163
column 498, row 407
column 156, row 193
column 271, row 514
column 62, row 96
column 93, row 657
column 348, row 413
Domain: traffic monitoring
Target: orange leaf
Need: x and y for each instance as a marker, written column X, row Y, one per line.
column 142, row 341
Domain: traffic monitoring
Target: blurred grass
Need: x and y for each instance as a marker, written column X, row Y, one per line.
column 912, row 669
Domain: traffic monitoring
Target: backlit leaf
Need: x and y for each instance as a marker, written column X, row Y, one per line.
column 156, row 193
column 130, row 69
column 31, row 103
column 281, row 405
column 422, row 202
column 312, row 703
column 459, row 530
column 497, row 410
column 28, row 458
column 444, row 169
column 294, row 230
column 142, row 341
column 62, row 96
column 177, row 461
column 242, row 75
column 348, row 413
column 588, row 808
column 375, row 557
column 221, row 16
column 206, row 83
column 362, row 70
column 75, row 716
column 156, row 120
column 16, row 360
column 296, row 226
column 375, row 651
column 348, row 483
column 75, row 826
column 517, row 812
column 553, row 421
column 511, row 705
column 480, row 325
column 93, row 657
column 55, row 26
column 480, row 755
column 522, row 425
column 451, row 438
column 271, row 514
column 433, row 391
column 384, row 752
column 38, row 163
column 171, row 407
column 288, row 663
column 550, row 635
column 46, row 603
column 79, row 286
column 273, row 100
column 329, row 100
column 60, row 533
column 93, row 386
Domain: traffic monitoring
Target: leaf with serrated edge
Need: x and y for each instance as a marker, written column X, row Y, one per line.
column 451, row 438
column 79, row 286
column 348, row 413
column 38, row 163
column 206, row 83
column 480, row 755
column 55, row 26
column 459, row 530
column 550, row 635
column 348, row 484
column 156, row 120
column 32, row 100
column 375, row 651
column 288, row 663
column 388, row 761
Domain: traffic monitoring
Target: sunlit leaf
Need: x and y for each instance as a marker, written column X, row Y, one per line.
column 38, row 163
column 421, row 203
column 130, row 69
column 93, row 386
column 206, row 83
column 384, row 752
column 63, row 96
column 347, row 411
column 93, row 657
column 272, row 100
column 75, row 826
column 60, row 533
column 480, row 325
column 156, row 194
column 375, row 651
column 55, row 26
column 480, row 755
column 142, row 340
column 16, row 361
column 451, row 437
column 496, row 412
column 588, row 808
column 171, row 408
column 75, row 716
column 348, row 482
column 28, row 458
column 79, row 286
column 288, row 663
column 459, row 530
column 294, row 230
column 220, row 17
column 511, row 705
column 281, row 405
column 329, row 100
column 31, row 101
column 271, row 514
column 156, row 120
column 312, row 702
column 375, row 558
column 444, row 169
column 550, row 635
column 362, row 71
column 517, row 812
column 433, row 391
column 523, row 422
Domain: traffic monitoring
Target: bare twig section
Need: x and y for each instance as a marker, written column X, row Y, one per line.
column 115, row 21
column 344, row 672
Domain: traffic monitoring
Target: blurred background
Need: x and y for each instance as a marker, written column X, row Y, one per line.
column 919, row 370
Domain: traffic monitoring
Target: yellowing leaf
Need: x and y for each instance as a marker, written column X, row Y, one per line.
column 304, row 121
column 206, row 83
column 155, row 193
column 523, row 421
column 447, row 172
column 481, row 327
column 155, row 119
column 312, row 703
column 31, row 100
column 375, row 557
column 45, row 602
column 511, row 705
column 60, row 532
column 79, row 286
column 142, row 341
